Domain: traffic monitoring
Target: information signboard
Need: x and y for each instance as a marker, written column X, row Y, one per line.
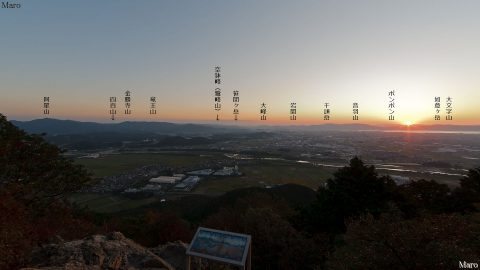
column 221, row 246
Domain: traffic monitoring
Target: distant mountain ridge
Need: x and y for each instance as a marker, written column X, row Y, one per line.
column 65, row 127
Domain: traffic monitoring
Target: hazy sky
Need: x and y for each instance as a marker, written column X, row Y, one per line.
column 79, row 53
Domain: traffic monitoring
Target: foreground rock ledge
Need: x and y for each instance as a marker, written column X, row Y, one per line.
column 114, row 252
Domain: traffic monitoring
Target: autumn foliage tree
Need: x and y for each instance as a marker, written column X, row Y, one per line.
column 36, row 168
column 470, row 185
column 34, row 180
column 276, row 244
column 393, row 242
column 151, row 229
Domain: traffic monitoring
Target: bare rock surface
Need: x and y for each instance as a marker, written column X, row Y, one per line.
column 173, row 252
column 97, row 252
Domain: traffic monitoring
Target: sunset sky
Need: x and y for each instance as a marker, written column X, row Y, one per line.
column 80, row 53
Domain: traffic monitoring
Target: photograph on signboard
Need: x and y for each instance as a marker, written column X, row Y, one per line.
column 220, row 245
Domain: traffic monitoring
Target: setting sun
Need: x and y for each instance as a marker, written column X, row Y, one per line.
column 408, row 123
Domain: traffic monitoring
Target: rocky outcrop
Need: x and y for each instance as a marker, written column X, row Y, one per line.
column 174, row 253
column 97, row 252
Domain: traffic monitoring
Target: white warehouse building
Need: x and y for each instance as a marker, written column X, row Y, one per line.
column 167, row 179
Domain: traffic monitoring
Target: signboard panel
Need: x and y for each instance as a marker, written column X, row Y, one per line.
column 222, row 246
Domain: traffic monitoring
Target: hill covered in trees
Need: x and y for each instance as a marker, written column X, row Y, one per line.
column 358, row 220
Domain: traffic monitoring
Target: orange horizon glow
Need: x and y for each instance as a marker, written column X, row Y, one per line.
column 316, row 53
column 309, row 112
column 248, row 119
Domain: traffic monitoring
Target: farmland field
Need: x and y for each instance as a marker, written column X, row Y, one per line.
column 119, row 163
column 264, row 173
column 255, row 173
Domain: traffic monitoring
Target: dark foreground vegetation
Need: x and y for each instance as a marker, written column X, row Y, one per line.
column 357, row 221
